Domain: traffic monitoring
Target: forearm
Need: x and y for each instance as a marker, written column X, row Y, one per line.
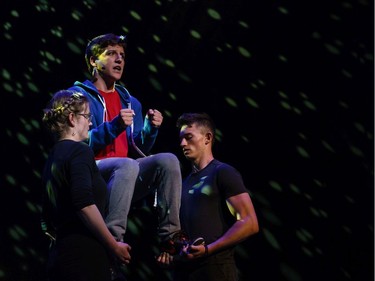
column 245, row 225
column 105, row 133
column 145, row 136
column 240, row 230
column 93, row 220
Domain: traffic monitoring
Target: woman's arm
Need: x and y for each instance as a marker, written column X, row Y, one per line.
column 93, row 220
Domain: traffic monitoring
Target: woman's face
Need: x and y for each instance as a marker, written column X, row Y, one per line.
column 83, row 123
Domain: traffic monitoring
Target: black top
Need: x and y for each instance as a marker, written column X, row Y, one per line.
column 72, row 181
column 204, row 212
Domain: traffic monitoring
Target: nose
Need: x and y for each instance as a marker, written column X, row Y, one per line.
column 182, row 142
column 120, row 57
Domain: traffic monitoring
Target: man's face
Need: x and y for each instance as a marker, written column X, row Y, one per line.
column 111, row 62
column 192, row 141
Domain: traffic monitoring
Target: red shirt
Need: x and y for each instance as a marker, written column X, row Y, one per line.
column 119, row 148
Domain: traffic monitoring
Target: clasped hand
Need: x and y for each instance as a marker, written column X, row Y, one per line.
column 123, row 252
column 155, row 117
column 127, row 115
column 188, row 252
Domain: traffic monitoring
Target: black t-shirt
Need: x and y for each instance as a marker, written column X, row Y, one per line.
column 204, row 212
column 72, row 181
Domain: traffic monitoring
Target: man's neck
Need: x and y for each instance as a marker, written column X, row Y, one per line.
column 202, row 163
column 101, row 85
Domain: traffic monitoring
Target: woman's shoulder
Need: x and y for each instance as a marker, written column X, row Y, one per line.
column 73, row 146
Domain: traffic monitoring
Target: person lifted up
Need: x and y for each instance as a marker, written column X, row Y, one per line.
column 216, row 209
column 121, row 137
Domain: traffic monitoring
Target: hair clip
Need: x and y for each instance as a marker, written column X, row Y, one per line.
column 77, row 95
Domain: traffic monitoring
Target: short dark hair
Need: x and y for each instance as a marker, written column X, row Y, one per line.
column 199, row 118
column 97, row 45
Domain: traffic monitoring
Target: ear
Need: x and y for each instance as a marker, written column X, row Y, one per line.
column 93, row 61
column 71, row 120
column 208, row 138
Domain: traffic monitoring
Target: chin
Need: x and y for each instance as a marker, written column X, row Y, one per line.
column 188, row 157
column 117, row 76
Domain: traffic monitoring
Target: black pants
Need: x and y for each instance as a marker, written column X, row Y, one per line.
column 78, row 257
column 207, row 272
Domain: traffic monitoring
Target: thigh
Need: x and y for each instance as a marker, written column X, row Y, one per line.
column 156, row 161
column 150, row 169
column 109, row 166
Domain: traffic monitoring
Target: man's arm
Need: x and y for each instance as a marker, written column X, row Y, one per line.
column 245, row 226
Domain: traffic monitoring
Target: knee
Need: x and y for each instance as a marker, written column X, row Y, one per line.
column 128, row 165
column 168, row 161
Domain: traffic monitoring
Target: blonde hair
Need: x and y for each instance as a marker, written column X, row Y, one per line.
column 63, row 102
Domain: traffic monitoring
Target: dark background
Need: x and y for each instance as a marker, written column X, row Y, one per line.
column 290, row 85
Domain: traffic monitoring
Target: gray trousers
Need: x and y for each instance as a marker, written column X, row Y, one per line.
column 130, row 180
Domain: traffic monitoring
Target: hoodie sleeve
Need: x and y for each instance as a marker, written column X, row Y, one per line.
column 105, row 134
column 101, row 133
column 143, row 133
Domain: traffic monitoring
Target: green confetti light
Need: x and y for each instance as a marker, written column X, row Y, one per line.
column 152, row 68
column 214, row 14
column 282, row 94
column 275, row 185
column 231, row 102
column 245, row 138
column 283, row 10
column 156, row 38
column 169, row 63
column 327, row 146
column 301, row 151
column 346, row 73
column 304, row 235
column 172, row 96
column 252, row 102
column 285, row 105
column 156, row 84
column 15, row 14
column 332, row 49
column 243, row 24
column 289, row 273
column 135, row 15
column 22, row 139
column 195, row 34
column 10, row 180
column 271, row 239
column 77, row 15
column 5, row 74
column 244, row 52
column 283, row 58
column 295, row 188
column 307, row 252
column 309, row 105
column 356, row 151
column 19, row 252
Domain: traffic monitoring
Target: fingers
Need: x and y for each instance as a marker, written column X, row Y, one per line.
column 155, row 117
column 193, row 252
column 164, row 260
column 127, row 116
column 124, row 252
column 126, row 258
